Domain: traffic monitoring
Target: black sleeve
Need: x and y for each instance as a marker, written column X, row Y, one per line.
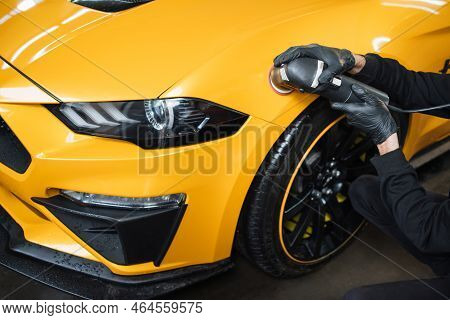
column 407, row 89
column 423, row 220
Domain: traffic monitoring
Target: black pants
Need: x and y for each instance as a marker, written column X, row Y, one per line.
column 366, row 199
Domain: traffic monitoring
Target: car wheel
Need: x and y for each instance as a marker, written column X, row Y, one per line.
column 297, row 214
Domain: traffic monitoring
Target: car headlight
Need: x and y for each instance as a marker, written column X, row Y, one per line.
column 98, row 200
column 158, row 123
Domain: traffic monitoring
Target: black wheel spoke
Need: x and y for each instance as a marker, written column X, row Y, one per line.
column 347, row 143
column 308, row 247
column 356, row 152
column 338, row 236
column 329, row 145
column 319, row 233
column 300, row 228
column 299, row 203
column 337, row 213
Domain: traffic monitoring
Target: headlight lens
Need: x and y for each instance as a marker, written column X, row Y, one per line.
column 159, row 123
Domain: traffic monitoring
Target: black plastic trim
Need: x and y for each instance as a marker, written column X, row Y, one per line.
column 13, row 153
column 89, row 279
column 123, row 236
column 110, row 5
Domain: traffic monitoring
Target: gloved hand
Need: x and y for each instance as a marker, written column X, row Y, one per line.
column 372, row 116
column 338, row 61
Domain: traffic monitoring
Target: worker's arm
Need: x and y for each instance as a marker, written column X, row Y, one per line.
column 425, row 222
column 406, row 88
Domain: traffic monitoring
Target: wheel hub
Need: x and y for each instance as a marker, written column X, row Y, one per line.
column 329, row 182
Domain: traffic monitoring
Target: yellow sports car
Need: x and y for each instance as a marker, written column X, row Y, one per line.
column 140, row 141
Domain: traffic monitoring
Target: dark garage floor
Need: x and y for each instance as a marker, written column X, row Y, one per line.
column 373, row 258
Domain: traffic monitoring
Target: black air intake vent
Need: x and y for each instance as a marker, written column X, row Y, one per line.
column 110, row 5
column 12, row 152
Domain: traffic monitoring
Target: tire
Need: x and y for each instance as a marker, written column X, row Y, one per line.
column 264, row 235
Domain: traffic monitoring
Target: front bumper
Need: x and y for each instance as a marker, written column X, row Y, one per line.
column 91, row 280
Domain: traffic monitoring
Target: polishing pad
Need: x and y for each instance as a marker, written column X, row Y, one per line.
column 275, row 82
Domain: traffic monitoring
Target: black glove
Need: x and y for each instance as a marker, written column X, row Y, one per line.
column 372, row 116
column 337, row 61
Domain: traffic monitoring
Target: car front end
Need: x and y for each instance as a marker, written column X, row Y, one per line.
column 130, row 136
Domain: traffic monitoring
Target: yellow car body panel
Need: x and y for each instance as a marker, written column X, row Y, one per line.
column 17, row 89
column 217, row 51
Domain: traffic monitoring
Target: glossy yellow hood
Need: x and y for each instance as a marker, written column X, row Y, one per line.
column 82, row 54
column 79, row 54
